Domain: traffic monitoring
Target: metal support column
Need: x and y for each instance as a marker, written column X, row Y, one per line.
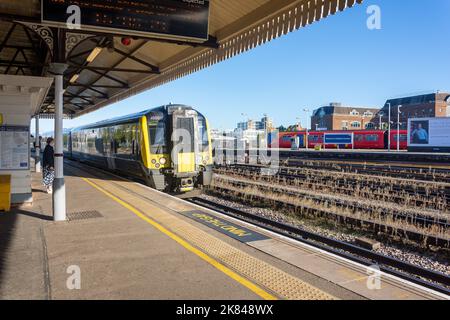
column 37, row 145
column 59, row 188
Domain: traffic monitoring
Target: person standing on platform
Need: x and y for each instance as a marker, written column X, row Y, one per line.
column 48, row 165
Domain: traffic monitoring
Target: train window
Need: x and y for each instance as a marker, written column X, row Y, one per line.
column 123, row 140
column 203, row 130
column 372, row 137
column 313, row 138
column 157, row 132
column 403, row 137
column 359, row 137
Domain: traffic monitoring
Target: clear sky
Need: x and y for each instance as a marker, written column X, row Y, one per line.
column 335, row 60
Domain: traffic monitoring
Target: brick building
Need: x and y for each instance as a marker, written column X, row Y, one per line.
column 421, row 106
column 338, row 117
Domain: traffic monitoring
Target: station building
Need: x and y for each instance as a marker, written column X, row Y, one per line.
column 338, row 117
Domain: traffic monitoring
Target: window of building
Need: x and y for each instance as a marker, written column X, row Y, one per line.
column 368, row 114
column 370, row 125
column 356, row 124
column 354, row 113
column 344, row 125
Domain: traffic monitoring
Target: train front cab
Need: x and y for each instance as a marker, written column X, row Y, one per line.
column 181, row 160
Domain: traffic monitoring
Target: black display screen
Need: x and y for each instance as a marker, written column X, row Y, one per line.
column 166, row 18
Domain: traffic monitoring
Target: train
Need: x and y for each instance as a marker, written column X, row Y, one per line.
column 363, row 139
column 168, row 147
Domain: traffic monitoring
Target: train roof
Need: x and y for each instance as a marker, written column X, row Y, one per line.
column 312, row 132
column 166, row 109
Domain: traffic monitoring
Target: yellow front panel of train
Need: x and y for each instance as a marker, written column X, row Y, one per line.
column 186, row 162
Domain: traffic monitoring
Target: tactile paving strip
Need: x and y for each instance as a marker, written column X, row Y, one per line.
column 277, row 281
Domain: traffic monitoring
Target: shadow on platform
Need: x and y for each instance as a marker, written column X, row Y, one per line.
column 7, row 226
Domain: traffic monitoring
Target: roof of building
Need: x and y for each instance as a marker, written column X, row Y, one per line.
column 419, row 99
column 339, row 109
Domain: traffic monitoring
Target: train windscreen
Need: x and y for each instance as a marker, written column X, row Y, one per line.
column 203, row 130
column 157, row 132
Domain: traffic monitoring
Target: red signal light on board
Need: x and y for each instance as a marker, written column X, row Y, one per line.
column 126, row 41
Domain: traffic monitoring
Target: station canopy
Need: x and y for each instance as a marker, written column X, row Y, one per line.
column 107, row 66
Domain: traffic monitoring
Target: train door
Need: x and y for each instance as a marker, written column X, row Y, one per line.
column 185, row 141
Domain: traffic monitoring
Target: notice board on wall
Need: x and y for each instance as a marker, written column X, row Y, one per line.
column 14, row 148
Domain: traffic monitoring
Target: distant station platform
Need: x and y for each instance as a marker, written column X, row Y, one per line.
column 131, row 242
column 426, row 159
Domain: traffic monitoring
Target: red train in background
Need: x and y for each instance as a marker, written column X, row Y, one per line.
column 363, row 139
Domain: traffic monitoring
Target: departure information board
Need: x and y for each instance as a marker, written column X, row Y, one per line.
column 187, row 19
column 14, row 148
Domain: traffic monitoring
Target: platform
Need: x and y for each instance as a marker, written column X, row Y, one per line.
column 132, row 242
column 434, row 160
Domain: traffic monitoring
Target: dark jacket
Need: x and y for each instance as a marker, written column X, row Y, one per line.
column 48, row 159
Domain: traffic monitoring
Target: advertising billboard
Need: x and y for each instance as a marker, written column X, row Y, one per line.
column 429, row 134
column 173, row 19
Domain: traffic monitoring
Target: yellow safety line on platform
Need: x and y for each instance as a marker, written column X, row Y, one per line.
column 253, row 287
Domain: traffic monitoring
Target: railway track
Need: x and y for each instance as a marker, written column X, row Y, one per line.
column 387, row 169
column 323, row 204
column 429, row 195
column 424, row 277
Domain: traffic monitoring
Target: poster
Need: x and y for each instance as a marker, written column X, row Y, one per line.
column 429, row 132
column 14, row 148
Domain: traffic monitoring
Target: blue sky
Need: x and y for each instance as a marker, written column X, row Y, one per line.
column 335, row 60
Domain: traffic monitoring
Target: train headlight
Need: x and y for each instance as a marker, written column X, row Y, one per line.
column 154, row 161
column 157, row 166
column 163, row 161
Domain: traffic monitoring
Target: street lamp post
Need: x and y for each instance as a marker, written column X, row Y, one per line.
column 389, row 127
column 306, row 127
column 398, row 127
column 380, row 124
